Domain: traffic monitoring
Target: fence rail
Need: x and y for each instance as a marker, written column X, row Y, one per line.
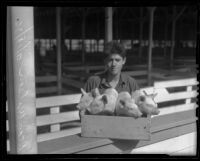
column 56, row 118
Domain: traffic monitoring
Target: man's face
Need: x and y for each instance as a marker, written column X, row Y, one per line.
column 114, row 63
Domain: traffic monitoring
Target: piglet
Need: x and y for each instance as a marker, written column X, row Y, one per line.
column 86, row 100
column 97, row 106
column 146, row 103
column 126, row 106
column 110, row 97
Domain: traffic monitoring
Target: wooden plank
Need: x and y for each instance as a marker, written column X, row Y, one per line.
column 122, row 127
column 176, row 83
column 126, row 146
column 161, row 97
column 70, row 144
column 53, row 112
column 57, row 100
column 57, row 118
column 188, row 151
column 108, row 149
column 48, row 78
column 176, row 108
column 158, row 122
column 8, row 145
column 189, row 88
column 165, row 147
column 42, row 90
column 76, row 143
column 55, row 135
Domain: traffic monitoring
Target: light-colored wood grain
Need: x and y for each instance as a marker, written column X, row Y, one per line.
column 189, row 88
column 53, row 111
column 57, row 100
column 54, row 135
column 176, row 83
column 165, row 147
column 57, row 118
column 115, row 127
column 162, row 97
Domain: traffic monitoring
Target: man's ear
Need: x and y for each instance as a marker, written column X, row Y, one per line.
column 124, row 60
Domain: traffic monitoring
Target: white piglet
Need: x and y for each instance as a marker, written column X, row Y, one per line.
column 126, row 106
column 146, row 103
column 85, row 101
column 97, row 106
column 110, row 97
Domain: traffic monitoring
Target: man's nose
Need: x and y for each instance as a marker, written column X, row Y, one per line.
column 113, row 63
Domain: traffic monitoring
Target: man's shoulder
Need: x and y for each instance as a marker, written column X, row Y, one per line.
column 128, row 78
column 95, row 77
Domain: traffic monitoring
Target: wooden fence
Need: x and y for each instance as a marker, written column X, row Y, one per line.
column 176, row 101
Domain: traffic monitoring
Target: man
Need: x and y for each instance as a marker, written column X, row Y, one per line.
column 112, row 76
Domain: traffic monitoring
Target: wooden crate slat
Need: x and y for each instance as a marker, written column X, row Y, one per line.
column 117, row 127
column 176, row 83
column 57, row 100
column 57, row 118
column 62, row 133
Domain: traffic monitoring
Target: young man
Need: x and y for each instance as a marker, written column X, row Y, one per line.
column 112, row 76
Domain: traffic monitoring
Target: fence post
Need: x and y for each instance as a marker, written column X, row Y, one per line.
column 151, row 16
column 21, row 80
column 108, row 24
column 58, row 44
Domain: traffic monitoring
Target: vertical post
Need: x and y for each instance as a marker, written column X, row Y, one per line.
column 132, row 35
column 21, row 80
column 58, row 49
column 165, row 35
column 151, row 14
column 98, row 37
column 141, row 32
column 83, row 36
column 108, row 24
column 173, row 38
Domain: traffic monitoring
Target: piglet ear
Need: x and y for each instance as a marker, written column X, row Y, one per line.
column 95, row 92
column 104, row 99
column 154, row 95
column 122, row 102
column 83, row 91
column 145, row 93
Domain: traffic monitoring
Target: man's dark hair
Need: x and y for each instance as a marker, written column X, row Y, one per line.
column 114, row 47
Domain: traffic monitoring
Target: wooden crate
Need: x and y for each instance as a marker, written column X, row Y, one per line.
column 116, row 127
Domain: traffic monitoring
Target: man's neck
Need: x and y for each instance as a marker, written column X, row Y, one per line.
column 113, row 78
